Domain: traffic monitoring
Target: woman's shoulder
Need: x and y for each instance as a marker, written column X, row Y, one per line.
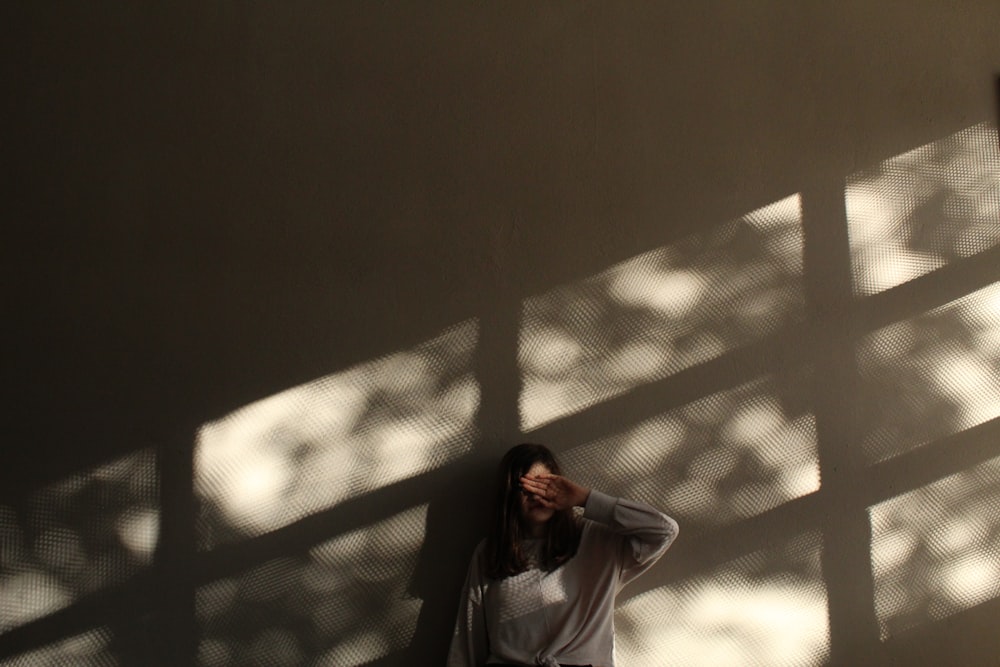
column 477, row 562
column 478, row 559
column 480, row 548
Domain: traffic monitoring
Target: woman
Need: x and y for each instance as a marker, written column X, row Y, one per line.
column 541, row 587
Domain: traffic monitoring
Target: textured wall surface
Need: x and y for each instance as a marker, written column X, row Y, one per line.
column 284, row 280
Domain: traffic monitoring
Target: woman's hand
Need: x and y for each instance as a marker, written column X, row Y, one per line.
column 555, row 491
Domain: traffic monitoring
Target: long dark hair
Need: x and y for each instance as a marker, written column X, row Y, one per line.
column 504, row 553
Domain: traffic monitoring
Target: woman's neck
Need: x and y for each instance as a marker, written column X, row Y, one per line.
column 535, row 531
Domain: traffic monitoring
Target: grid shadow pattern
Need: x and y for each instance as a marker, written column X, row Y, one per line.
column 702, row 377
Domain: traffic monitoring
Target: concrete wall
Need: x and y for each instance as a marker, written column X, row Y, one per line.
column 284, row 281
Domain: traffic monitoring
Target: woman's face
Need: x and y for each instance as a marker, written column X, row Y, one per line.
column 533, row 513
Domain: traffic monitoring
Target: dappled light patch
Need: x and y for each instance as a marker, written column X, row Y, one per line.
column 345, row 602
column 924, row 209
column 526, row 595
column 765, row 608
column 726, row 457
column 660, row 312
column 936, row 549
column 78, row 536
column 311, row 447
column 931, row 376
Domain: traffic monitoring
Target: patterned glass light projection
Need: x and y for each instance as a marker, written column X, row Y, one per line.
column 345, row 602
column 931, row 376
column 78, row 536
column 921, row 210
column 90, row 649
column 936, row 549
column 766, row 608
column 308, row 448
column 660, row 312
column 720, row 459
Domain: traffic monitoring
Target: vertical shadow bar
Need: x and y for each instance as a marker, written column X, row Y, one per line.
column 498, row 373
column 846, row 526
column 176, row 640
column 997, row 88
column 459, row 510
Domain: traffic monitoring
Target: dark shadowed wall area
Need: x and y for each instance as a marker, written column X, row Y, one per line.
column 282, row 281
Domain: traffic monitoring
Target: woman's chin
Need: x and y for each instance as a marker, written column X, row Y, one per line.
column 539, row 516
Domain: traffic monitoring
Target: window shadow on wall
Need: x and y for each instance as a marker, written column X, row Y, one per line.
column 332, row 520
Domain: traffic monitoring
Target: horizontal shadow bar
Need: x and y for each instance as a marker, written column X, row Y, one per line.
column 352, row 514
column 122, row 602
column 932, row 462
column 689, row 558
column 928, row 292
column 784, row 349
column 882, row 481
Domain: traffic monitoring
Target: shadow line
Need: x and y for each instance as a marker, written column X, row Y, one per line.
column 932, row 462
column 844, row 523
column 915, row 297
column 782, row 350
column 118, row 604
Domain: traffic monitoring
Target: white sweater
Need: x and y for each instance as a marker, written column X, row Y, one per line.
column 567, row 615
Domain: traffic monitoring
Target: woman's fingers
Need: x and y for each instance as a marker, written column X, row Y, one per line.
column 554, row 491
column 542, row 477
column 535, row 486
column 539, row 481
column 545, row 490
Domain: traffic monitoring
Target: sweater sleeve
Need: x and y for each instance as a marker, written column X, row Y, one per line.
column 646, row 532
column 469, row 642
